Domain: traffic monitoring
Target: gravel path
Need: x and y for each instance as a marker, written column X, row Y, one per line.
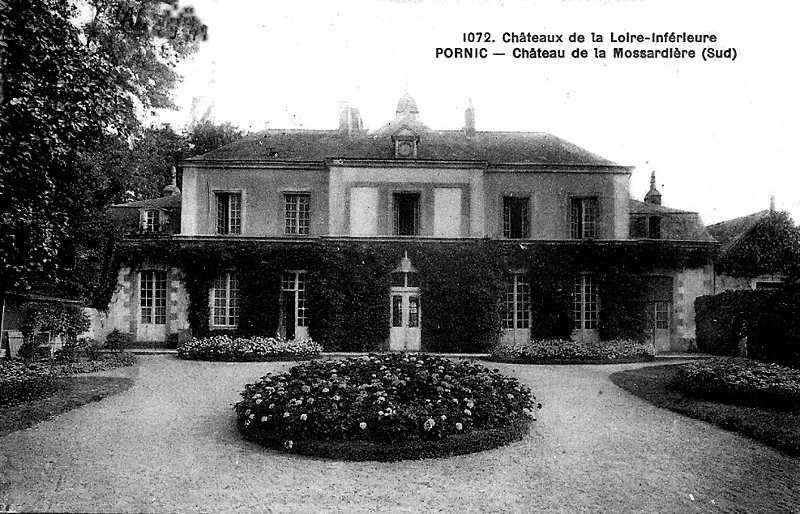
column 169, row 444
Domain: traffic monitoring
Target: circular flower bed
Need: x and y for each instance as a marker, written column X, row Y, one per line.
column 741, row 381
column 563, row 351
column 387, row 407
column 224, row 348
column 21, row 382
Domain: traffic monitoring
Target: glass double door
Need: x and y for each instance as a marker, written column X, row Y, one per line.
column 406, row 318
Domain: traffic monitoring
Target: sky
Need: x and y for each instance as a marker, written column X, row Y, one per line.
column 719, row 133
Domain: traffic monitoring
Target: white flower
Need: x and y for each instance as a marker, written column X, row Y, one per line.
column 285, row 414
column 470, row 404
column 468, row 412
column 310, row 401
column 444, row 418
column 459, row 426
column 362, row 425
column 271, row 406
column 429, row 424
column 303, row 417
column 288, row 444
column 247, row 412
column 264, row 419
column 325, row 389
column 258, row 401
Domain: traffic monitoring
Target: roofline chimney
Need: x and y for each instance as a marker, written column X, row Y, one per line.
column 469, row 120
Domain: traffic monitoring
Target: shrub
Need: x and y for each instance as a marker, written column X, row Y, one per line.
column 224, row 348
column 384, row 400
column 104, row 362
column 20, row 382
column 741, row 381
column 116, row 341
column 567, row 351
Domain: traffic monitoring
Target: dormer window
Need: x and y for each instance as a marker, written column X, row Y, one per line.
column 152, row 221
column 406, row 142
column 654, row 227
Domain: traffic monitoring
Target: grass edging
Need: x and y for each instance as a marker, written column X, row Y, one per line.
column 777, row 428
column 72, row 392
column 458, row 444
column 624, row 360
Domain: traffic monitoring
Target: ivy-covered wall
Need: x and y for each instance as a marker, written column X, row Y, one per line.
column 462, row 285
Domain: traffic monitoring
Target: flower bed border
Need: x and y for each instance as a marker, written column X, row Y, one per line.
column 287, row 357
column 540, row 361
column 455, row 444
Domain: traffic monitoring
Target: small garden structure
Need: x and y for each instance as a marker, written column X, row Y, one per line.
column 225, row 348
column 564, row 351
column 385, row 407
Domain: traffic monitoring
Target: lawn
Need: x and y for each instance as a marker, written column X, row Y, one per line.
column 778, row 428
column 72, row 393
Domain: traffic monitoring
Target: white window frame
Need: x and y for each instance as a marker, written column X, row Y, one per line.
column 151, row 222
column 585, row 303
column 584, row 215
column 517, row 314
column 233, row 217
column 153, row 297
column 525, row 222
column 297, row 213
column 297, row 281
column 225, row 298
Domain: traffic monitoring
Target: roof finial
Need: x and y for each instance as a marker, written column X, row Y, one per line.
column 772, row 203
column 653, row 196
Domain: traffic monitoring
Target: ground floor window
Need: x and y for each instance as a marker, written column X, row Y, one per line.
column 585, row 305
column 153, row 297
column 658, row 317
column 293, row 286
column 518, row 302
column 226, row 301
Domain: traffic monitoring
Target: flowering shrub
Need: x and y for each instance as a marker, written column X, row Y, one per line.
column 224, row 348
column 741, row 381
column 383, row 400
column 20, row 382
column 562, row 350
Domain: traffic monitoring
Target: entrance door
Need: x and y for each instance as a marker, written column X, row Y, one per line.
column 406, row 317
column 293, row 322
column 658, row 327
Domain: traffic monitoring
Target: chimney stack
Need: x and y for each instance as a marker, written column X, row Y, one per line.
column 349, row 120
column 171, row 189
column 772, row 203
column 469, row 120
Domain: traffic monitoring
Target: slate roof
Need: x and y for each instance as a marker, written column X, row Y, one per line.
column 438, row 145
column 676, row 224
column 162, row 202
column 729, row 232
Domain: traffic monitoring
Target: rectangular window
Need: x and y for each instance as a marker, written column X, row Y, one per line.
column 152, row 221
column 229, row 213
column 406, row 214
column 583, row 218
column 153, row 297
column 585, row 305
column 226, row 301
column 515, row 217
column 295, row 282
column 397, row 311
column 297, row 213
column 518, row 302
column 413, row 311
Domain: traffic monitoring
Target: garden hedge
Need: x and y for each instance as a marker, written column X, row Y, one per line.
column 20, row 382
column 565, row 351
column 768, row 319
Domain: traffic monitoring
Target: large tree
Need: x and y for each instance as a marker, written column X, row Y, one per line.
column 72, row 85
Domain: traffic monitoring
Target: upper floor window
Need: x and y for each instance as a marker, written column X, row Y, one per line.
column 225, row 298
column 515, row 217
column 297, row 208
column 583, row 218
column 152, row 220
column 153, row 297
column 229, row 213
column 584, row 301
column 517, row 313
column 406, row 214
column 654, row 227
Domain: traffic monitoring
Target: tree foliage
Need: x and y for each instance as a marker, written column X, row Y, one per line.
column 70, row 91
column 771, row 246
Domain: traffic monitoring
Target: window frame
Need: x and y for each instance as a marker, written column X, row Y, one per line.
column 229, row 303
column 585, row 303
column 297, row 219
column 654, row 227
column 584, row 217
column 522, row 202
column 517, row 309
column 153, row 297
column 225, row 225
column 296, row 281
column 151, row 225
column 417, row 212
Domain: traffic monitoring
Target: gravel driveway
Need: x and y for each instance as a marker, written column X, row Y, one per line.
column 169, row 444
